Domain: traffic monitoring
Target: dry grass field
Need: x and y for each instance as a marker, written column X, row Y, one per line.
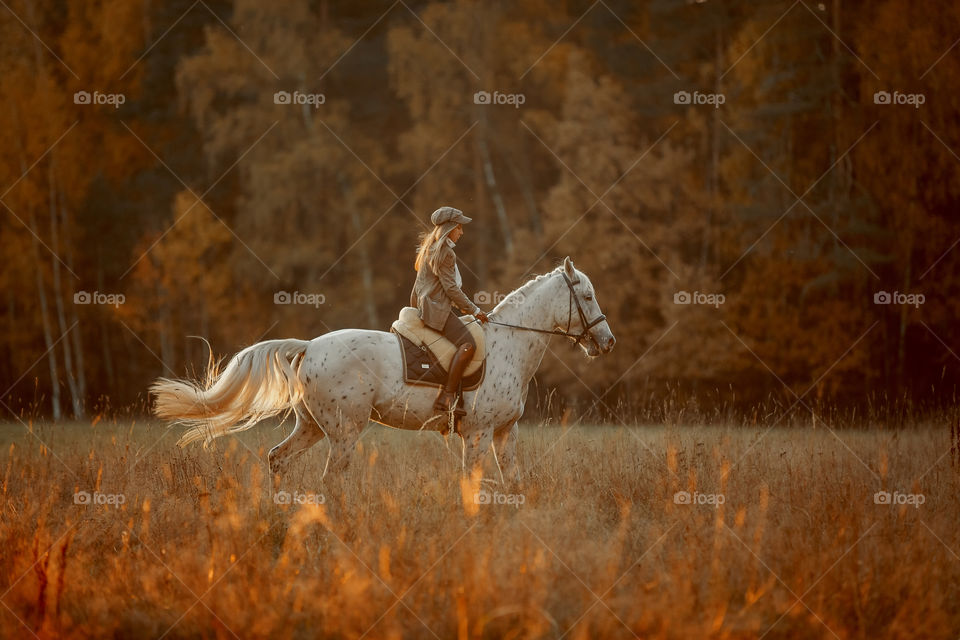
column 780, row 535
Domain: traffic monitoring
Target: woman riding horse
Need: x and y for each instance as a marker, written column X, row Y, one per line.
column 437, row 289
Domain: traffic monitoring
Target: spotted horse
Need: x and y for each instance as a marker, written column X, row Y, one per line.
column 337, row 383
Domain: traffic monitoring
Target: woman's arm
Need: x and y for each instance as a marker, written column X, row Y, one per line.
column 445, row 273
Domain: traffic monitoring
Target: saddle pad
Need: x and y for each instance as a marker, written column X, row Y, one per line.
column 420, row 366
column 410, row 326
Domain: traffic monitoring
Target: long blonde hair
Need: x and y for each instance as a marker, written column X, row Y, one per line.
column 428, row 239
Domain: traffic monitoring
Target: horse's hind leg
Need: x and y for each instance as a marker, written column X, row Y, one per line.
column 345, row 430
column 305, row 434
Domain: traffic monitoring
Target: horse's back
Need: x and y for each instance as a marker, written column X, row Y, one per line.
column 353, row 348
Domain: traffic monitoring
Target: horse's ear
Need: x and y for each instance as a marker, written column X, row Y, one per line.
column 568, row 268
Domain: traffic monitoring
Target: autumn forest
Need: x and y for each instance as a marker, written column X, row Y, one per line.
column 763, row 193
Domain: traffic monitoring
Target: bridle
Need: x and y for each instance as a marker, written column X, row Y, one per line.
column 576, row 337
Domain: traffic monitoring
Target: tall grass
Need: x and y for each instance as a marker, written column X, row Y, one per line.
column 599, row 546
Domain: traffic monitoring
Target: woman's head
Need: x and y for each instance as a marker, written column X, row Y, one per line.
column 448, row 222
column 448, row 214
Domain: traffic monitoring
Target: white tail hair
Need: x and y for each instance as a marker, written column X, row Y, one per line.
column 260, row 382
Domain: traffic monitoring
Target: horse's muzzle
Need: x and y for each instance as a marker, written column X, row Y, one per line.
column 606, row 344
column 598, row 345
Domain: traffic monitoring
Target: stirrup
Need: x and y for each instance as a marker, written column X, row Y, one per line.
column 451, row 422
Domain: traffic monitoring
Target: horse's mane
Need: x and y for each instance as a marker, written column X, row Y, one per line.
column 525, row 288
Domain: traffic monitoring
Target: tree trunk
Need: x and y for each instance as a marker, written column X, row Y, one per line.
column 65, row 331
column 105, row 335
column 366, row 263
column 491, row 181
column 366, row 271
column 163, row 328
column 483, row 235
column 41, row 288
column 713, row 177
column 45, row 323
column 73, row 316
column 78, row 354
column 902, row 332
column 521, row 174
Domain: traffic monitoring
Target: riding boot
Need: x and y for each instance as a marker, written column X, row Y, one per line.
column 447, row 399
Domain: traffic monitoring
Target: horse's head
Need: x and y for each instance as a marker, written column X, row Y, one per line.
column 578, row 313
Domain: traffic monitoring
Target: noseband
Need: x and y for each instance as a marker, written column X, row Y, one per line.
column 573, row 300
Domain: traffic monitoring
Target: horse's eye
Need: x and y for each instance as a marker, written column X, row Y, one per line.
column 589, row 296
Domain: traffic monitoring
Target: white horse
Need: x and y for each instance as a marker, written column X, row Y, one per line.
column 336, row 383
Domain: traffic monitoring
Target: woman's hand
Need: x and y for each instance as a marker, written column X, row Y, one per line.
column 482, row 317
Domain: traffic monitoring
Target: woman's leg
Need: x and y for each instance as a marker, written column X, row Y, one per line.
column 455, row 332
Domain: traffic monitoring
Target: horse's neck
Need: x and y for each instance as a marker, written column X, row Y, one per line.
column 517, row 349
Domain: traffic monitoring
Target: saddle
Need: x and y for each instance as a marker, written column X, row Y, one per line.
column 427, row 353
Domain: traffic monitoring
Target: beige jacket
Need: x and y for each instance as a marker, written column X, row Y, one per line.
column 435, row 293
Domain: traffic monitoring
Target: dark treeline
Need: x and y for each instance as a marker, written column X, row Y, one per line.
column 169, row 169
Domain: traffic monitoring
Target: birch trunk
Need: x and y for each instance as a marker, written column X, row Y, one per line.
column 65, row 330
column 45, row 323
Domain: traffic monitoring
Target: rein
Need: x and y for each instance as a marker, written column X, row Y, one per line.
column 576, row 337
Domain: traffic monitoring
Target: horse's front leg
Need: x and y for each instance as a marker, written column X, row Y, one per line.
column 505, row 451
column 475, row 443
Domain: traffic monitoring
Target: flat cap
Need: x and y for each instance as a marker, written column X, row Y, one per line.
column 449, row 214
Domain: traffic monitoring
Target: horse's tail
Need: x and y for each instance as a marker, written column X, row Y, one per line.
column 259, row 382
